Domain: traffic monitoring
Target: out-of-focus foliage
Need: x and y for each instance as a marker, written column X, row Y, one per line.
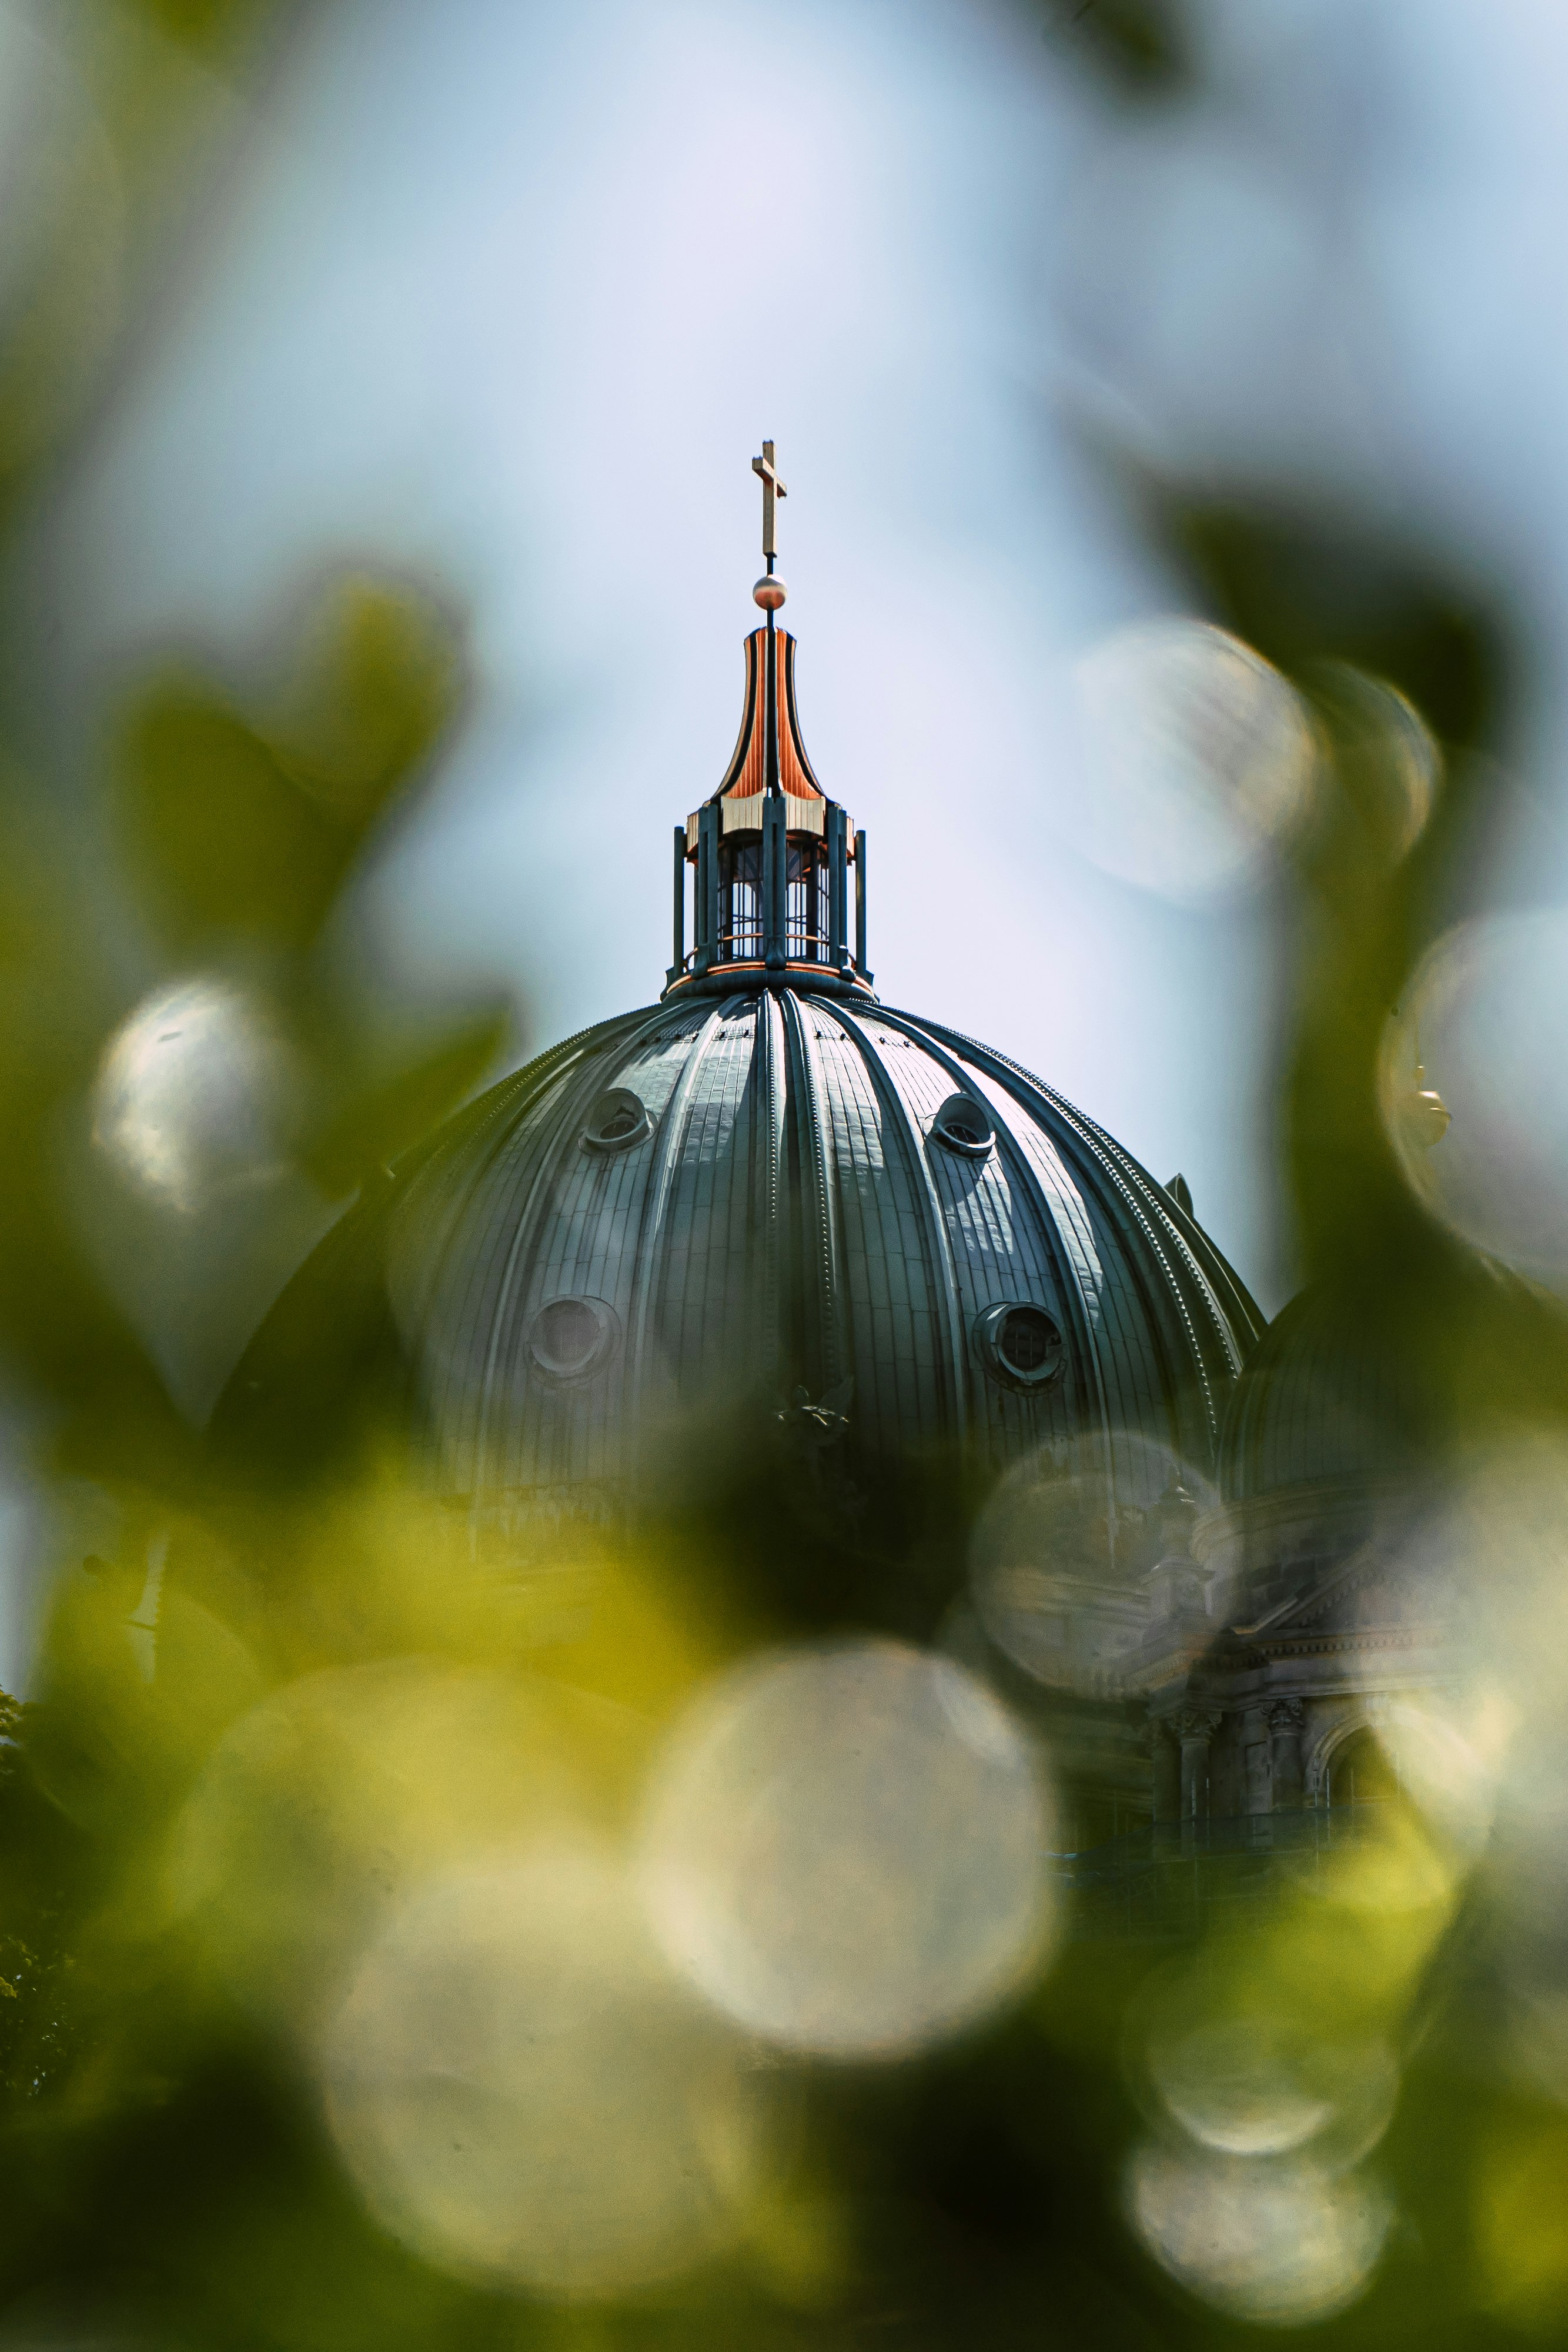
column 1406, row 671
column 240, row 826
column 1143, row 47
column 118, row 105
column 393, row 1953
column 235, row 816
column 237, row 830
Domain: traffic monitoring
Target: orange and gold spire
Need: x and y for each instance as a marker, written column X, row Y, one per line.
column 768, row 754
column 771, row 851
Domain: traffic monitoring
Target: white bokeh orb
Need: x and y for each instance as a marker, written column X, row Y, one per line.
column 1253, row 2084
column 1197, row 761
column 1279, row 2243
column 1482, row 1016
column 192, row 1094
column 526, row 2095
column 1056, row 1561
column 844, row 1849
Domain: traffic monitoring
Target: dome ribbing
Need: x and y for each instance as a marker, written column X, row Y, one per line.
column 702, row 1208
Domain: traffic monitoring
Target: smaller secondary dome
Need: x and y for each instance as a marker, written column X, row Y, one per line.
column 1357, row 1383
column 1327, row 1396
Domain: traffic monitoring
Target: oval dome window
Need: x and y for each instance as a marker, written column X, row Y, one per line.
column 618, row 1120
column 1021, row 1346
column 570, row 1337
column 965, row 1125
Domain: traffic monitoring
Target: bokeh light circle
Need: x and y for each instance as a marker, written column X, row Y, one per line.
column 1494, row 1558
column 1199, row 758
column 1061, row 1553
column 1249, row 2083
column 844, row 1849
column 1281, row 2244
column 525, row 2093
column 1387, row 756
column 1484, row 1014
column 192, row 1095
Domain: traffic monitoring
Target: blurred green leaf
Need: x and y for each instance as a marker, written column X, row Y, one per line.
column 379, row 681
column 384, row 1117
column 220, row 840
column 1308, row 586
column 205, row 24
column 240, row 827
column 1143, row 47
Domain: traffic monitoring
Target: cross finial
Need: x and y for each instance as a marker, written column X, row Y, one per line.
column 772, row 488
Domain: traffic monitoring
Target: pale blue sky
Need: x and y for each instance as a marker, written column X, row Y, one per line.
column 510, row 295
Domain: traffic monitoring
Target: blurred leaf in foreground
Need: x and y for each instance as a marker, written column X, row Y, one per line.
column 242, row 813
column 1143, row 47
column 382, row 1117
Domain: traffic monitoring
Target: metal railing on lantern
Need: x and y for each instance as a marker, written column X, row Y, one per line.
column 770, row 853
column 768, row 900
column 806, row 916
column 741, row 931
column 808, row 912
column 772, row 902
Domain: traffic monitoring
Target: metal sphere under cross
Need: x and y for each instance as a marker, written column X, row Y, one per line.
column 772, row 488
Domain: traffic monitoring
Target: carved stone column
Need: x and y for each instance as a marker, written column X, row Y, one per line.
column 1195, row 1726
column 1165, row 1756
column 1285, row 1719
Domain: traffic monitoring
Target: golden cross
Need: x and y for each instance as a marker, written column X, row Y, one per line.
column 772, row 488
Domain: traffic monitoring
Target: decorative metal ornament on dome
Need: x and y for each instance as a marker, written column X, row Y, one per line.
column 771, row 1208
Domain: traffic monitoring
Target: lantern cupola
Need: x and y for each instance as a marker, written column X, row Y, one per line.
column 770, row 854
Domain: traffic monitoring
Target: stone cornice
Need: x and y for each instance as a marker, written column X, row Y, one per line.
column 1335, row 1509
column 1352, row 1639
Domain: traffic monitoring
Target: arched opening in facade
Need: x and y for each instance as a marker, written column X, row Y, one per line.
column 1362, row 1771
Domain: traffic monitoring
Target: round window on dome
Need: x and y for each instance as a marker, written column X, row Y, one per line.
column 618, row 1120
column 965, row 1125
column 570, row 1337
column 1021, row 1346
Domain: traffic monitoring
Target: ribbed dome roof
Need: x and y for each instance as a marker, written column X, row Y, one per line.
column 705, row 1206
